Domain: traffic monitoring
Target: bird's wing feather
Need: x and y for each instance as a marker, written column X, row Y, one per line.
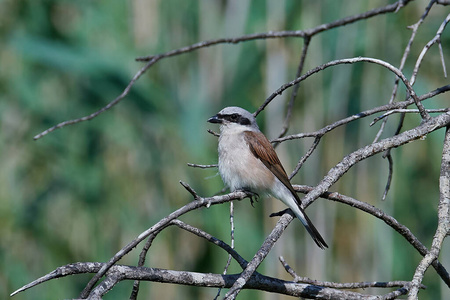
column 263, row 150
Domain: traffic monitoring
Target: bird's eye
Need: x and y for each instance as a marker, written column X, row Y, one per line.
column 234, row 117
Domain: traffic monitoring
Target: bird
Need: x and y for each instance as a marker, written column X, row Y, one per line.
column 248, row 162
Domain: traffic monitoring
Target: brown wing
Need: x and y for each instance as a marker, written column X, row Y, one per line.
column 263, row 150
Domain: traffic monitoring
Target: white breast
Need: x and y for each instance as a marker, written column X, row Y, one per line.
column 238, row 167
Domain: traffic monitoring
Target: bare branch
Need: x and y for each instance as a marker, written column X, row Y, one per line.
column 391, row 171
column 202, row 166
column 443, row 227
column 295, row 89
column 191, row 191
column 387, row 154
column 350, row 160
column 257, row 281
column 386, row 107
column 282, row 34
column 201, row 202
column 441, row 53
column 305, row 157
column 395, row 294
column 396, row 111
column 70, row 269
column 353, row 60
column 348, row 285
column 389, row 220
column 103, row 109
column 414, row 28
column 142, row 256
column 436, row 39
column 232, row 246
column 257, row 259
column 213, row 133
column 200, row 233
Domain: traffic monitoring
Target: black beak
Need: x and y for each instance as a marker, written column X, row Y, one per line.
column 215, row 119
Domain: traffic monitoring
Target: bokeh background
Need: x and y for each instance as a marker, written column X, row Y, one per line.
column 83, row 192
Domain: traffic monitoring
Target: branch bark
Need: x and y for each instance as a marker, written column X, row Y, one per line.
column 443, row 228
column 256, row 281
column 350, row 160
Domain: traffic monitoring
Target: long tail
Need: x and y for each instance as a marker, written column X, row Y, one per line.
column 284, row 191
column 312, row 230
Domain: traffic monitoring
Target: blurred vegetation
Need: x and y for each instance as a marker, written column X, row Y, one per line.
column 83, row 192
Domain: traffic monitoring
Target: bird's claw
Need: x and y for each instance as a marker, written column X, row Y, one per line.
column 253, row 197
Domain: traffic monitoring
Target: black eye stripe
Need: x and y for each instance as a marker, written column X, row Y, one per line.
column 244, row 121
column 235, row 118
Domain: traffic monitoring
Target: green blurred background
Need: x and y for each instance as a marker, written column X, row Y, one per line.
column 83, row 192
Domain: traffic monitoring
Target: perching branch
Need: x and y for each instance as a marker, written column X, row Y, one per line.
column 199, row 202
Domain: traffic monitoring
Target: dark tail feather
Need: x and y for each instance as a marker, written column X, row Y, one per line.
column 314, row 232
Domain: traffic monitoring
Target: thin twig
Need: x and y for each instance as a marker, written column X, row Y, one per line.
column 345, row 285
column 191, row 191
column 412, row 93
column 105, row 108
column 283, row 34
column 404, row 110
column 213, row 133
column 200, row 233
column 260, row 255
column 414, row 28
column 441, row 53
column 202, row 166
column 388, row 155
column 436, row 39
column 389, row 220
column 141, row 262
column 232, row 245
column 386, row 107
column 395, row 294
column 306, row 156
column 380, row 131
column 351, row 159
column 290, row 107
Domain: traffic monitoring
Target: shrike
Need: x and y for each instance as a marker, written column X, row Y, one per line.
column 247, row 161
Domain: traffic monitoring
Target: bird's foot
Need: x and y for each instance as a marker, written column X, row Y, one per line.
column 252, row 196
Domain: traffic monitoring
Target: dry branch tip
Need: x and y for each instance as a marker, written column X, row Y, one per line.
column 190, row 190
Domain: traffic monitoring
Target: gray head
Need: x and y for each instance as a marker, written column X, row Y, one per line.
column 234, row 115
